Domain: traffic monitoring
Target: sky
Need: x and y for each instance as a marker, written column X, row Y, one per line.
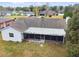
column 23, row 4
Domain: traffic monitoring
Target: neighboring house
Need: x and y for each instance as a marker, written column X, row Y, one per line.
column 5, row 13
column 35, row 29
column 21, row 13
column 49, row 13
column 2, row 13
column 8, row 13
column 42, row 13
column 61, row 13
column 4, row 22
column 29, row 13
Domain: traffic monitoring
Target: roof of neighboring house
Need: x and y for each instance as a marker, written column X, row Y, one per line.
column 49, row 12
column 42, row 12
column 45, row 31
column 29, row 12
column 61, row 11
column 5, row 20
column 5, row 12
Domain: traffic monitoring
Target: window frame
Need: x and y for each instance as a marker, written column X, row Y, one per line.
column 11, row 34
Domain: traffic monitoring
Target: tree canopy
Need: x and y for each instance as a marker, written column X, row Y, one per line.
column 72, row 34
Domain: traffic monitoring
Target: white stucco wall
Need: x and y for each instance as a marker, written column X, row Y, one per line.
column 60, row 14
column 17, row 35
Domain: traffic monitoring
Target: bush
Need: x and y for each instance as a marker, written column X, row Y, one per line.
column 73, row 50
column 66, row 14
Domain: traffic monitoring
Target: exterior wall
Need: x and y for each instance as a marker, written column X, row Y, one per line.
column 1, row 25
column 9, row 23
column 17, row 35
column 8, row 14
column 60, row 14
column 29, row 14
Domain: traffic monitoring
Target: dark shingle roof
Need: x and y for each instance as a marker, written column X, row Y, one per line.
column 19, row 26
column 43, row 22
column 24, row 23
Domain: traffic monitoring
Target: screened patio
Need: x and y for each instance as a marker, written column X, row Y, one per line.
column 44, row 34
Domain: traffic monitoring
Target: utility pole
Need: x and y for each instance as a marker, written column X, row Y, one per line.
column 47, row 9
column 36, row 10
column 14, row 11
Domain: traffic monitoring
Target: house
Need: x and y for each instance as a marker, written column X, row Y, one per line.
column 4, row 22
column 61, row 13
column 29, row 13
column 2, row 13
column 49, row 13
column 42, row 13
column 5, row 13
column 8, row 13
column 20, row 13
column 35, row 30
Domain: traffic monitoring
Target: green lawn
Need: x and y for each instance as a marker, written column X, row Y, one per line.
column 58, row 17
column 31, row 49
column 15, row 17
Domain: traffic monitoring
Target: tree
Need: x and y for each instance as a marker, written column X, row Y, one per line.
column 73, row 50
column 54, row 8
column 2, row 8
column 72, row 34
column 22, row 8
column 66, row 14
column 61, row 7
column 68, row 11
column 9, row 8
column 18, row 8
column 31, row 8
column 25, row 8
column 43, row 7
column 73, row 27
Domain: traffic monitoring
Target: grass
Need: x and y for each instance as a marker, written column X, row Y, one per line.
column 31, row 49
column 60, row 17
column 15, row 17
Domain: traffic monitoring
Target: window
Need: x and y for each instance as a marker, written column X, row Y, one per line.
column 11, row 34
column 50, row 15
